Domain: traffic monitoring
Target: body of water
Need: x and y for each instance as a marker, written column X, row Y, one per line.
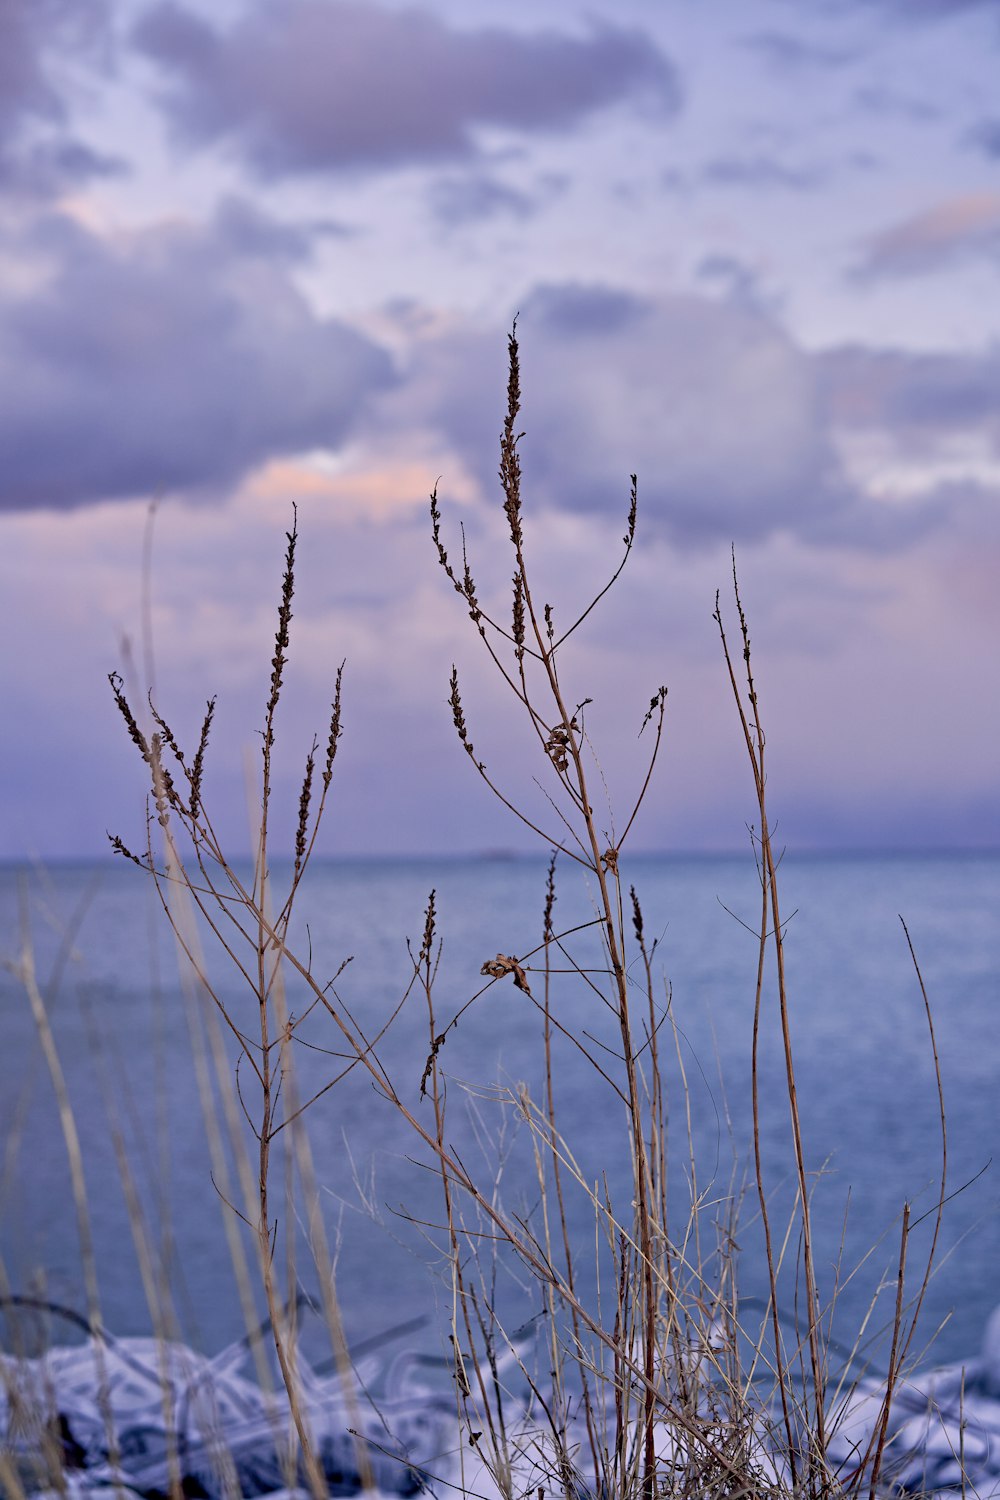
column 108, row 970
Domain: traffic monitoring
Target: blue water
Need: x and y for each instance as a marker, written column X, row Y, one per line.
column 865, row 1074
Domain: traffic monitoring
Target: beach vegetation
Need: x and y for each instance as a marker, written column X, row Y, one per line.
column 641, row 1372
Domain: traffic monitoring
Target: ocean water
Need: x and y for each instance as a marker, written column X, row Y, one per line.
column 108, row 970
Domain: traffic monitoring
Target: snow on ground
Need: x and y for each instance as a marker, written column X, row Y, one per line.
column 212, row 1423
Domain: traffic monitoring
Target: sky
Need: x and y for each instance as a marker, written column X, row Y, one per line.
column 255, row 255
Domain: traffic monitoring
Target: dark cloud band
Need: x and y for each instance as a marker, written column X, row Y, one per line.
column 314, row 86
column 178, row 360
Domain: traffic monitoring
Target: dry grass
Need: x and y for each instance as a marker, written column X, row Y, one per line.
column 643, row 1376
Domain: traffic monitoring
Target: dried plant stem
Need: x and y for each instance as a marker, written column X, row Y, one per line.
column 25, row 972
column 755, row 741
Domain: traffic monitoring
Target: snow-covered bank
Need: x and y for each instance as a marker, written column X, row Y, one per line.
column 169, row 1411
column 126, row 1416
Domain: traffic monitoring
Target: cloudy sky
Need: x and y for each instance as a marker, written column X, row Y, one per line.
column 253, row 254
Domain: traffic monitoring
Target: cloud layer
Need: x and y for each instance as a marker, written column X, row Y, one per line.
column 958, row 228
column 200, row 322
column 325, row 86
column 713, row 405
column 39, row 152
column 178, row 358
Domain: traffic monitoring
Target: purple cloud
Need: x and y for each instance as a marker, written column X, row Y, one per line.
column 178, row 359
column 25, row 89
column 244, row 230
column 710, row 402
column 958, row 228
column 759, row 172
column 932, row 10
column 986, row 136
column 732, row 276
column 888, row 103
column 733, row 429
column 755, row 172
column 42, row 169
column 477, row 196
column 913, row 395
column 324, row 86
column 788, row 53
column 39, row 154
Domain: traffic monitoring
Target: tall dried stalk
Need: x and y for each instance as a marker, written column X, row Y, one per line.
column 649, row 1320
column 239, row 916
column 811, row 1468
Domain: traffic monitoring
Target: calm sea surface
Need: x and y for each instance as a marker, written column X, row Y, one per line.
column 108, row 970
